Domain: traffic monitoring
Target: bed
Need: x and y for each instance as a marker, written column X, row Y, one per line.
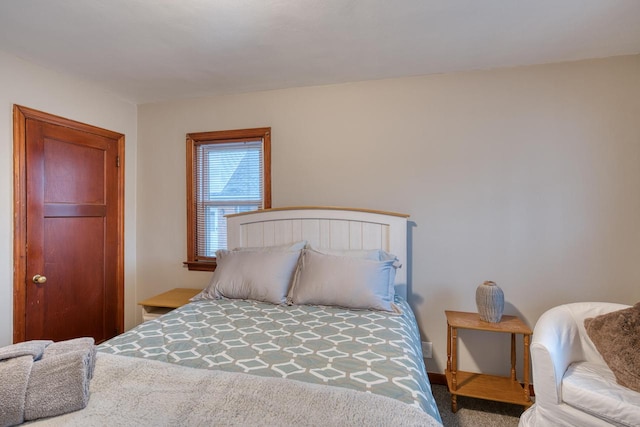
column 317, row 350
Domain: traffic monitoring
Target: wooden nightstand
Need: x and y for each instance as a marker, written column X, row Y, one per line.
column 163, row 303
column 490, row 387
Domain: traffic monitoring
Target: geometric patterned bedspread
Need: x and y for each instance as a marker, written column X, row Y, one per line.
column 364, row 350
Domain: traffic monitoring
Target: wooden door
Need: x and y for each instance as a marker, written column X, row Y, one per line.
column 68, row 242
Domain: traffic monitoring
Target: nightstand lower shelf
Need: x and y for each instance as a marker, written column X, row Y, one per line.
column 490, row 387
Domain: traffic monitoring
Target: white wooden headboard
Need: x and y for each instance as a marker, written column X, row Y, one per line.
column 324, row 227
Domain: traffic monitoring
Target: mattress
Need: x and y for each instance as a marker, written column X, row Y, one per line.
column 369, row 351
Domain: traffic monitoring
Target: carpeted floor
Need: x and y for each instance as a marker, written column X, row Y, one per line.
column 475, row 412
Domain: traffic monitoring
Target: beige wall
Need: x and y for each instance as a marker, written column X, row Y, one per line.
column 26, row 84
column 529, row 177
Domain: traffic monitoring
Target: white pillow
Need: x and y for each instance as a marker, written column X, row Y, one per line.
column 344, row 281
column 260, row 275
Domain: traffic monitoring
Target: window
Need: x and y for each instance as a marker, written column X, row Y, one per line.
column 227, row 172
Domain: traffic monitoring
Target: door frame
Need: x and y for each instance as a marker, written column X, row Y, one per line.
column 20, row 116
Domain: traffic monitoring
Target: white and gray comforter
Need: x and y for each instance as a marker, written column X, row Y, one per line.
column 362, row 350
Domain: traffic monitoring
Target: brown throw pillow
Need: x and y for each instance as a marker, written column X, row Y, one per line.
column 616, row 336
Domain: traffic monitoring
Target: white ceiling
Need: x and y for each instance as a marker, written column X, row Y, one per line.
column 152, row 50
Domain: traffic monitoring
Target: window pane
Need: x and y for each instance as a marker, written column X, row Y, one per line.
column 228, row 180
column 215, row 226
column 233, row 173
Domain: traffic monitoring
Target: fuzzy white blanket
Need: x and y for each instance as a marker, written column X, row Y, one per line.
column 128, row 391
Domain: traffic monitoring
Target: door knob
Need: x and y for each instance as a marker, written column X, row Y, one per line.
column 39, row 279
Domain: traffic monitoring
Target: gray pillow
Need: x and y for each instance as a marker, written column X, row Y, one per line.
column 344, row 281
column 262, row 275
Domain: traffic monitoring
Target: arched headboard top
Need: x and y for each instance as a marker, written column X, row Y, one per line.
column 323, row 208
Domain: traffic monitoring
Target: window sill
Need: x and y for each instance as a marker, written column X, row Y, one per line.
column 200, row 265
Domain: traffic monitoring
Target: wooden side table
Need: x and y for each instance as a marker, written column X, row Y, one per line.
column 165, row 302
column 483, row 386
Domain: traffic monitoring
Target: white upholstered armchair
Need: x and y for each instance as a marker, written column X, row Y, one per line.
column 573, row 384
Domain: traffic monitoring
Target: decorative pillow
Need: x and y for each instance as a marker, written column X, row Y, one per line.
column 344, row 281
column 616, row 335
column 257, row 275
